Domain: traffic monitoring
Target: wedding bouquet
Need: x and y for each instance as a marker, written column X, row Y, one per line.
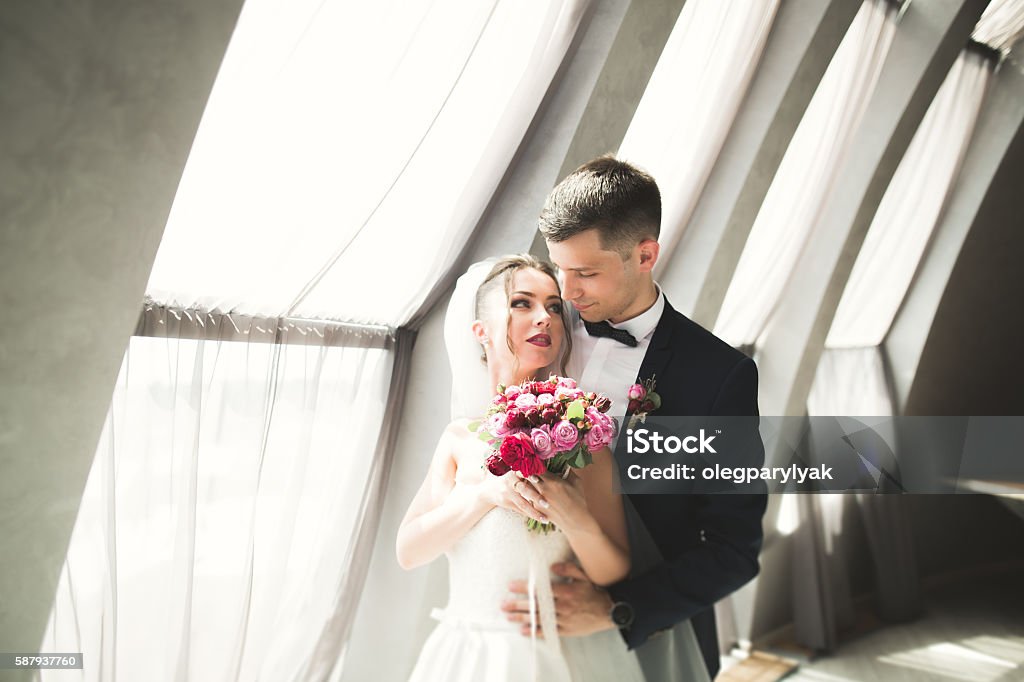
column 540, row 426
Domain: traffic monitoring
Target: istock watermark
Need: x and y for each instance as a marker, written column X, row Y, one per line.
column 834, row 454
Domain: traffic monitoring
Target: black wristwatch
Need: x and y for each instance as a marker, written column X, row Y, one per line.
column 621, row 614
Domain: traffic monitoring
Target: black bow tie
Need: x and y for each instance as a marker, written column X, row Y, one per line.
column 600, row 329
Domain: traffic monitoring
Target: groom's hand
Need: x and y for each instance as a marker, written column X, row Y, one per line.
column 581, row 607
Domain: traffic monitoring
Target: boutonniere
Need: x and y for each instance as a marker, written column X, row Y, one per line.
column 642, row 401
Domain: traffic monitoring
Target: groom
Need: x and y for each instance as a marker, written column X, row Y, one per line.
column 601, row 225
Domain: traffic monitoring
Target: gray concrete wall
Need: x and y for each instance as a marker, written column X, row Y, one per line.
column 100, row 102
column 971, row 362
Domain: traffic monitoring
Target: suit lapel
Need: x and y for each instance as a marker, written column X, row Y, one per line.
column 659, row 353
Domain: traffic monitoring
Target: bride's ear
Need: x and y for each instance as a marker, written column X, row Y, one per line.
column 480, row 332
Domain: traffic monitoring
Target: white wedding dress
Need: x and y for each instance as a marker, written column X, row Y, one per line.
column 475, row 642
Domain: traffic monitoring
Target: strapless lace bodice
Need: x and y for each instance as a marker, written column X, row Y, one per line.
column 498, row 549
column 475, row 641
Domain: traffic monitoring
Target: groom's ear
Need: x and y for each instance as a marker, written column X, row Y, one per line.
column 649, row 250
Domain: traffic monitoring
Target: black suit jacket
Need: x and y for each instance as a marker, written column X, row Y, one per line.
column 709, row 542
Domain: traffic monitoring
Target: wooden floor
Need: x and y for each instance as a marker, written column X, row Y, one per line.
column 969, row 632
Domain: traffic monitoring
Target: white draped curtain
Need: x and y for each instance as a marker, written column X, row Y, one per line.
column 345, row 157
column 1001, row 25
column 806, row 176
column 850, row 377
column 216, row 521
column 692, row 99
column 343, row 139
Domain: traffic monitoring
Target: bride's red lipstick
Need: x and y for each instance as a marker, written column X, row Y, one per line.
column 542, row 340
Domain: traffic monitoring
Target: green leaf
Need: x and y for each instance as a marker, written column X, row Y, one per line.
column 574, row 410
column 484, row 436
column 654, row 398
column 473, row 426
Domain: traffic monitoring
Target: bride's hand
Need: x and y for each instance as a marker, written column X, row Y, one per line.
column 560, row 499
column 504, row 491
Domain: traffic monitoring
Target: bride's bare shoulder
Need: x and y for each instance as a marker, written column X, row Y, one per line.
column 459, row 428
column 466, row 446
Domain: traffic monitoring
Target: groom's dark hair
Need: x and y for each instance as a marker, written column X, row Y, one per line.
column 615, row 198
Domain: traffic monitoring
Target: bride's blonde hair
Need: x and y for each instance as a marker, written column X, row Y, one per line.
column 501, row 276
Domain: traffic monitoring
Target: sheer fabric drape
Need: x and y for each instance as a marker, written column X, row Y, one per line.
column 850, row 378
column 345, row 138
column 691, row 100
column 1002, row 24
column 806, row 175
column 219, row 510
column 908, row 212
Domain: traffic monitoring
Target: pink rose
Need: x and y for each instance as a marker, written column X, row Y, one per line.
column 636, row 392
column 496, row 425
column 610, row 425
column 545, row 399
column 598, row 418
column 542, row 442
column 512, row 391
column 525, row 400
column 597, row 437
column 566, row 435
column 566, row 393
column 567, row 382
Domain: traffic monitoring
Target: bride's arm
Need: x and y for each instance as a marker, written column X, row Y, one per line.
column 441, row 512
column 591, row 516
column 444, row 510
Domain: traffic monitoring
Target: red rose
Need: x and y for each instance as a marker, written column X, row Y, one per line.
column 530, row 465
column 602, row 403
column 496, row 466
column 647, row 406
column 515, row 447
column 541, row 387
column 634, row 406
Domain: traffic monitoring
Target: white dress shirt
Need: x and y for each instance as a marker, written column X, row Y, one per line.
column 607, row 366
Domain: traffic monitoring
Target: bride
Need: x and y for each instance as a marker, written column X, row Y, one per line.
column 478, row 520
